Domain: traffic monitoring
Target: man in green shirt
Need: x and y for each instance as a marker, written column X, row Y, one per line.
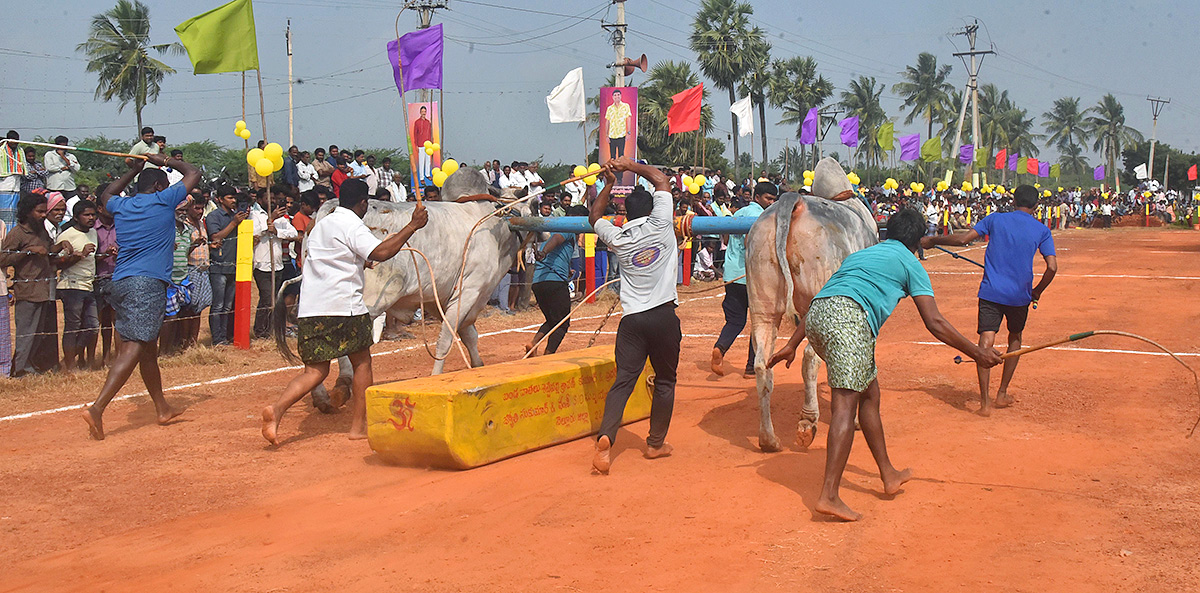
column 146, row 145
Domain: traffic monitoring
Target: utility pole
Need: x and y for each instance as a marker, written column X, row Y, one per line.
column 1156, row 105
column 972, row 96
column 291, row 138
column 425, row 9
column 617, row 33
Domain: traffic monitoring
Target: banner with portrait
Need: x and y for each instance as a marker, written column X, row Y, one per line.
column 424, row 127
column 618, row 130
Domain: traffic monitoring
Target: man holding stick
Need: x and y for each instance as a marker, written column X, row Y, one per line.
column 145, row 226
column 645, row 247
column 1007, row 288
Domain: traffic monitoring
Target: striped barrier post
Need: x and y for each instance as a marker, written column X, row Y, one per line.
column 589, row 265
column 687, row 262
column 243, row 275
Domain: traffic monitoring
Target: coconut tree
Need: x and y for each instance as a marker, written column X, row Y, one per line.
column 1065, row 124
column 796, row 87
column 861, row 99
column 756, row 85
column 118, row 50
column 1107, row 126
column 724, row 42
column 1020, row 132
column 663, row 81
column 1072, row 159
column 925, row 90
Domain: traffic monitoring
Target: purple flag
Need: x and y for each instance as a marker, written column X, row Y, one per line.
column 910, row 147
column 966, row 154
column 1098, row 173
column 418, row 55
column 808, row 129
column 1012, row 161
column 1043, row 169
column 850, row 131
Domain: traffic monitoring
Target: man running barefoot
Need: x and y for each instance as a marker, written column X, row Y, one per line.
column 842, row 325
column 1007, row 288
column 145, row 226
column 333, row 320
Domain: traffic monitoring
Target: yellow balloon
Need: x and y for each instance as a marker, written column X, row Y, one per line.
column 920, row 187
column 240, row 125
column 273, row 150
column 264, row 166
column 913, row 186
column 255, row 155
column 436, row 147
column 942, row 185
column 276, row 163
column 700, row 179
column 693, row 188
column 429, row 150
column 245, row 134
column 594, row 167
column 427, row 144
column 966, row 186
column 686, row 179
column 1060, row 188
column 852, row 177
column 579, row 171
column 1046, row 194
column 1037, row 185
column 1000, row 188
column 439, row 178
column 450, row 166
column 590, row 180
column 435, row 170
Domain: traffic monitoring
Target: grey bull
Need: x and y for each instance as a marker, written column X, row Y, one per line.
column 405, row 283
column 791, row 251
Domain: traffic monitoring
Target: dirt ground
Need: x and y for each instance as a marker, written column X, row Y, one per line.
column 1088, row 484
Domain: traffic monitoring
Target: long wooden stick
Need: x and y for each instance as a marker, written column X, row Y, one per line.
column 78, row 148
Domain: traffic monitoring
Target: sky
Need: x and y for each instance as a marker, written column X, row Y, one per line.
column 502, row 58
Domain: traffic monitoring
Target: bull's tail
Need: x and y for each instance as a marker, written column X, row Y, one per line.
column 279, row 324
column 783, row 226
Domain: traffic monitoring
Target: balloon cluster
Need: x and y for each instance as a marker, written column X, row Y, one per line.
column 1046, row 194
column 890, row 183
column 266, row 160
column 581, row 171
column 917, row 187
column 966, row 186
column 1146, row 194
column 808, row 178
column 942, row 186
column 853, row 178
column 693, row 185
column 239, row 130
column 1060, row 188
column 439, row 175
column 431, row 147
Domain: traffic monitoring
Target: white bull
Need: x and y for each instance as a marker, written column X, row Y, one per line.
column 791, row 251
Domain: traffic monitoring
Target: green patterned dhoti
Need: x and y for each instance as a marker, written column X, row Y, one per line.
column 324, row 338
column 838, row 330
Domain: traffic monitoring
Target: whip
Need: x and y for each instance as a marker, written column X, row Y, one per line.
column 78, row 148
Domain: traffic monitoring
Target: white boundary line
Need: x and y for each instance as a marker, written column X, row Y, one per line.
column 221, row 380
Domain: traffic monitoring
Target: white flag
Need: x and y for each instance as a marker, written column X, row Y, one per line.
column 1140, row 171
column 566, row 100
column 744, row 112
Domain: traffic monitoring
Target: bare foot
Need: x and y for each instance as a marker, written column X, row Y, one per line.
column 894, row 480
column 656, row 452
column 716, row 362
column 602, row 461
column 168, row 415
column 357, row 436
column 986, row 410
column 95, row 423
column 270, row 426
column 1004, row 400
column 836, row 508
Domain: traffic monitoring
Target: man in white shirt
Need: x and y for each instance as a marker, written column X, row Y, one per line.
column 576, row 189
column 333, row 319
column 61, row 167
column 269, row 235
column 372, row 177
column 645, row 247
column 531, row 176
column 306, row 173
column 389, row 181
column 517, row 178
column 173, row 176
column 510, row 178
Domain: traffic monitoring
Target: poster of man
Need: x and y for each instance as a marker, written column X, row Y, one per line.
column 618, row 130
column 423, row 127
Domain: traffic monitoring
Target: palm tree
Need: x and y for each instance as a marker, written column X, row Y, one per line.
column 1021, row 136
column 795, row 88
column 924, row 89
column 1066, row 125
column 654, row 100
column 118, row 50
column 1107, row 126
column 789, row 162
column 862, row 99
column 756, row 85
column 722, row 39
column 1072, row 160
column 949, row 121
column 993, row 105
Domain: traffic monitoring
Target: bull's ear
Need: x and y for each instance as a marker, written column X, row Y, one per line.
column 495, row 191
column 520, row 193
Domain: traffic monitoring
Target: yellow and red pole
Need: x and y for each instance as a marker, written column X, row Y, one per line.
column 687, row 262
column 589, row 265
column 243, row 275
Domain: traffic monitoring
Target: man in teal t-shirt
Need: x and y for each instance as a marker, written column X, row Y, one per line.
column 737, row 301
column 842, row 325
column 550, row 278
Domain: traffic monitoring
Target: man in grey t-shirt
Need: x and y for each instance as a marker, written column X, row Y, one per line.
column 645, row 247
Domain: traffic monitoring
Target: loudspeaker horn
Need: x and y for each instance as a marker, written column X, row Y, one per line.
column 630, row 64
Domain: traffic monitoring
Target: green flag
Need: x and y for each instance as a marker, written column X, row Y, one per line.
column 1055, row 170
column 1021, row 164
column 886, row 136
column 222, row 39
column 931, row 150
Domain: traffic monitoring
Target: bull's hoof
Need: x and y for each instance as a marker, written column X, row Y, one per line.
column 320, row 399
column 769, row 443
column 340, row 394
column 806, row 432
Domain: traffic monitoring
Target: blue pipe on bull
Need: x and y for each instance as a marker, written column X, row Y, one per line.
column 686, row 226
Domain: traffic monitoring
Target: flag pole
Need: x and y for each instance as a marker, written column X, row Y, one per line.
column 262, row 113
column 245, row 141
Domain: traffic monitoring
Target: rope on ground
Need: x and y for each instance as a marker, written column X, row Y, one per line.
column 712, row 288
column 414, row 252
column 1195, row 376
column 564, row 319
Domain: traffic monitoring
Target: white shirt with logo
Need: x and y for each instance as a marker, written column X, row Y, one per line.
column 648, row 257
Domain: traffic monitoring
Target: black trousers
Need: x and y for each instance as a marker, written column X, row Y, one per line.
column 736, row 305
column 554, row 300
column 616, row 147
column 654, row 334
column 35, row 347
column 266, row 297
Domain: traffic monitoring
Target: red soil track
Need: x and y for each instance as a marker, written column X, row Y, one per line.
column 1088, row 484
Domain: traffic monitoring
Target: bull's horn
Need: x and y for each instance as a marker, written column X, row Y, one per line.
column 520, row 193
column 495, row 191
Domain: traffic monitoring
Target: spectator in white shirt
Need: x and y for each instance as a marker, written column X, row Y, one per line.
column 269, row 236
column 174, row 176
column 390, row 180
column 517, row 177
column 61, row 167
column 372, row 177
column 333, row 319
column 510, row 178
column 306, row 172
column 532, row 177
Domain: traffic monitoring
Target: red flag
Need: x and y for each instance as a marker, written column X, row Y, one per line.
column 1031, row 165
column 1001, row 159
column 684, row 115
column 1192, row 173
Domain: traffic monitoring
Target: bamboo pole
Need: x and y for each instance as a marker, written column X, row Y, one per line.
column 78, row 148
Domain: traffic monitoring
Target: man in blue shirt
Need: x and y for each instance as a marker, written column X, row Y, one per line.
column 843, row 324
column 737, row 301
column 550, row 278
column 138, row 292
column 1007, row 288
